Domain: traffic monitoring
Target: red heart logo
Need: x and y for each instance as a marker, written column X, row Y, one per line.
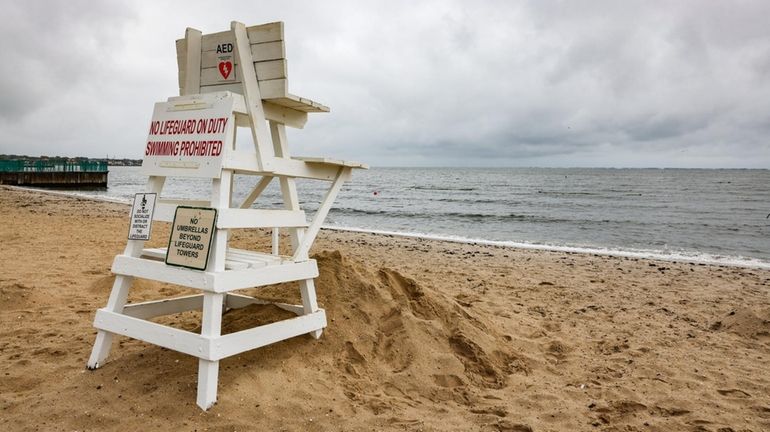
column 225, row 68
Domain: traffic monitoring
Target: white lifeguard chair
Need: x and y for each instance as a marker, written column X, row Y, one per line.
column 239, row 75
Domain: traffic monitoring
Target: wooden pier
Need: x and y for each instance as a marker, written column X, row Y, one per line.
column 54, row 173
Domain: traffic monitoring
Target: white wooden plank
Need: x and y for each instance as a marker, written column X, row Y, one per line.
column 321, row 213
column 237, row 255
column 221, row 198
column 329, row 161
column 273, row 69
column 275, row 241
column 298, row 103
column 285, row 115
column 269, row 70
column 163, row 307
column 245, row 340
column 305, row 101
column 254, row 257
column 289, row 117
column 255, row 218
column 159, row 271
column 240, row 279
column 210, row 41
column 154, row 253
column 273, row 88
column 165, row 208
column 157, row 334
column 208, row 370
column 232, row 262
column 193, row 65
column 242, row 162
column 252, row 95
column 236, row 301
column 266, row 69
column 214, row 281
column 256, row 192
column 318, row 107
column 120, row 288
column 291, row 202
column 242, row 263
column 289, row 103
column 239, row 104
column 181, row 62
column 268, row 51
column 270, row 32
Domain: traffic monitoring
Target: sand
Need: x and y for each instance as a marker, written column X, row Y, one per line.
column 422, row 335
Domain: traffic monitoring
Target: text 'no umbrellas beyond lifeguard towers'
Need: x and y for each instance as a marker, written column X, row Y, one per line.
column 228, row 80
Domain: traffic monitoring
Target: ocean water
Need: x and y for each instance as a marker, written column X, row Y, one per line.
column 714, row 216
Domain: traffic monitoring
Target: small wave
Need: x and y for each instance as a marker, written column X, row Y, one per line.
column 440, row 188
column 473, row 201
column 555, row 193
column 77, row 195
column 480, row 217
column 673, row 256
column 353, row 211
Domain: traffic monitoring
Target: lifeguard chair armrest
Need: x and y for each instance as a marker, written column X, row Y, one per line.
column 328, row 161
column 299, row 103
column 242, row 162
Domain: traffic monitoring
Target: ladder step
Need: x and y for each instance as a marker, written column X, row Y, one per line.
column 268, row 271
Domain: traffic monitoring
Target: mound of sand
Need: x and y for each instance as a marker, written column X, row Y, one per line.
column 394, row 342
column 748, row 322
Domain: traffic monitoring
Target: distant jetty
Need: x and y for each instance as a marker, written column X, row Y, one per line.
column 54, row 173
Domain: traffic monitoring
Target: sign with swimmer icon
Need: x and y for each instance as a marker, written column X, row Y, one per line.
column 140, row 225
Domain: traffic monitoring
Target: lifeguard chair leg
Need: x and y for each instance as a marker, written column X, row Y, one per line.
column 119, row 293
column 307, row 286
column 118, row 299
column 309, row 302
column 208, row 371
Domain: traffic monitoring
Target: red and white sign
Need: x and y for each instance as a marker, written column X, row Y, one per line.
column 226, row 64
column 188, row 136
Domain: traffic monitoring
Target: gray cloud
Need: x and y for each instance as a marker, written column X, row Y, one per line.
column 434, row 83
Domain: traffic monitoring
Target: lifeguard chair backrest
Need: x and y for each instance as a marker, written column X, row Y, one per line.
column 217, row 49
column 212, row 62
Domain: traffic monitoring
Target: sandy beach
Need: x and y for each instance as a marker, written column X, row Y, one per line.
column 422, row 336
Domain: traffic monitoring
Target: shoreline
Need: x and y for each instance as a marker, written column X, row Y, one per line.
column 673, row 257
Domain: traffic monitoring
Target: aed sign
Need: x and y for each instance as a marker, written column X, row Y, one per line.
column 188, row 136
column 190, row 239
column 140, row 225
column 225, row 62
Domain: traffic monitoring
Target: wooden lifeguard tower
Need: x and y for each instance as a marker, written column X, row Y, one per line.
column 235, row 78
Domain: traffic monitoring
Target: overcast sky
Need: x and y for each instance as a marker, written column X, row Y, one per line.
column 471, row 83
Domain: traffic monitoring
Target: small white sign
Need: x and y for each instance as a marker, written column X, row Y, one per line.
column 225, row 62
column 189, row 135
column 190, row 239
column 141, row 216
